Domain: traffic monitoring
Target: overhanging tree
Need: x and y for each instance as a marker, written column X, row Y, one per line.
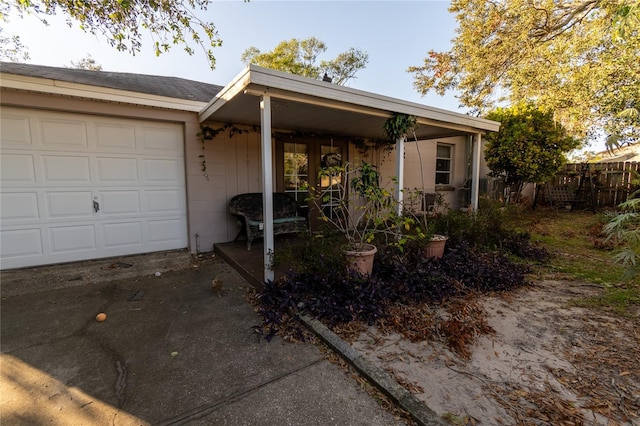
column 578, row 58
column 300, row 57
column 11, row 48
column 529, row 147
column 87, row 63
column 168, row 22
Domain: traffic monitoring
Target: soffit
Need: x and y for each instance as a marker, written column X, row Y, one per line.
column 312, row 106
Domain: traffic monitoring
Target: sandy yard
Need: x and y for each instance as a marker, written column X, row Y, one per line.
column 535, row 359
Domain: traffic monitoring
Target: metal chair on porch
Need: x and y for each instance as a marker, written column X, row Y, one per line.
column 425, row 204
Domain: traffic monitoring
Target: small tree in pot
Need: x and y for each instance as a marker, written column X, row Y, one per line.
column 359, row 208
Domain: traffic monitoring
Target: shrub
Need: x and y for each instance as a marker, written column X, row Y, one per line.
column 311, row 253
column 486, row 229
column 318, row 284
column 333, row 296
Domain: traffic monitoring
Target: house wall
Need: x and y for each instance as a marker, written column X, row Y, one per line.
column 233, row 166
column 422, row 154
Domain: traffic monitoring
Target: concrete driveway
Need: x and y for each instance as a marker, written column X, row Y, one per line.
column 171, row 351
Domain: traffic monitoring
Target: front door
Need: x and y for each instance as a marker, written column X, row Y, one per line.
column 299, row 162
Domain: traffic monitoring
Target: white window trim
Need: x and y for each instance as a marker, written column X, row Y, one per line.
column 450, row 158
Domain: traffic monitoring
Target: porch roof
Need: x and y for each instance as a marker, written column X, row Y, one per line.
column 314, row 106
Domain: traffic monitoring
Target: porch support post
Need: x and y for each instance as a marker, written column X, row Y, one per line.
column 400, row 174
column 267, row 185
column 475, row 170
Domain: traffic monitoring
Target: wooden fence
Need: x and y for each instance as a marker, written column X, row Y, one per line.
column 598, row 184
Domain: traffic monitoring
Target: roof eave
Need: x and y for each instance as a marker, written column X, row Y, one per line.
column 231, row 90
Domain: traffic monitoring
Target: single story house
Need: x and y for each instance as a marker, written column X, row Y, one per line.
column 98, row 164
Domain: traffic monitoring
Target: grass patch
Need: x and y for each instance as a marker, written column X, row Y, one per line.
column 619, row 300
column 576, row 243
column 579, row 252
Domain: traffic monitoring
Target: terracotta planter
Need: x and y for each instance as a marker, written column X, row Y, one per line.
column 435, row 248
column 361, row 260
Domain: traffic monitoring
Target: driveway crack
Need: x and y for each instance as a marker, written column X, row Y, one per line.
column 121, row 382
column 205, row 410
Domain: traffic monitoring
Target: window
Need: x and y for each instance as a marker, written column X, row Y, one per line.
column 296, row 171
column 330, row 156
column 443, row 164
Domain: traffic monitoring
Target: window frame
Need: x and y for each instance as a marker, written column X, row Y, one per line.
column 448, row 173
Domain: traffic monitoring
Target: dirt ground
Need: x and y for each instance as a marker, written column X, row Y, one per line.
column 537, row 360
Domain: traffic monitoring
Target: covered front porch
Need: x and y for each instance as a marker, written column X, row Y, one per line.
column 274, row 102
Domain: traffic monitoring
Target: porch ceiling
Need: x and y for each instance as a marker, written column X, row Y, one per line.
column 312, row 106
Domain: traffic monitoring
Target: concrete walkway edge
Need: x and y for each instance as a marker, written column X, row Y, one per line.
column 419, row 411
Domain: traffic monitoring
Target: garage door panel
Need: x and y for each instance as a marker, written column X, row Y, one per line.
column 63, row 134
column 63, row 239
column 20, row 243
column 162, row 170
column 15, row 130
column 115, row 137
column 17, row 168
column 69, row 205
column 158, row 139
column 67, row 169
column 164, row 201
column 18, row 206
column 114, row 203
column 117, row 170
column 166, row 231
column 122, row 234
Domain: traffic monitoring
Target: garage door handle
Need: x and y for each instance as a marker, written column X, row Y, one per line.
column 96, row 206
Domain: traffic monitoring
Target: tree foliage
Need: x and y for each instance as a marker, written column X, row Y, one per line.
column 168, row 22
column 11, row 48
column 578, row 58
column 529, row 147
column 300, row 57
column 87, row 63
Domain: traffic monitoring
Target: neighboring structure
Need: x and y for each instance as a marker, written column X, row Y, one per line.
column 99, row 164
column 625, row 154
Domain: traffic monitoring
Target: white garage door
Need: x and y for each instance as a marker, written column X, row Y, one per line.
column 77, row 187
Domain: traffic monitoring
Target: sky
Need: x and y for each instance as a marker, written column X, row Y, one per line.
column 395, row 34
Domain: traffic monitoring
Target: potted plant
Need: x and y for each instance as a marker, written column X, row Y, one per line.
column 434, row 247
column 423, row 218
column 357, row 206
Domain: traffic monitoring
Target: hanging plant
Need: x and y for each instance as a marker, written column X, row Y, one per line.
column 399, row 125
